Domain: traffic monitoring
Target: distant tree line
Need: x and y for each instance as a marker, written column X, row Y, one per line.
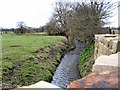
column 21, row 29
column 119, row 28
column 79, row 20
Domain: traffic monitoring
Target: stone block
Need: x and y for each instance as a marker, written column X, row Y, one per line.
column 42, row 84
column 109, row 51
column 109, row 44
column 105, row 62
column 104, row 79
column 114, row 46
column 100, row 39
column 100, row 52
column 104, row 49
column 106, row 44
column 118, row 46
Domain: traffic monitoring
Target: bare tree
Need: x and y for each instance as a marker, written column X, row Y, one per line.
column 89, row 17
column 51, row 28
column 62, row 12
column 21, row 24
column 82, row 20
column 21, row 28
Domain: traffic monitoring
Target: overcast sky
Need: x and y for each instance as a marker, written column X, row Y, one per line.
column 34, row 13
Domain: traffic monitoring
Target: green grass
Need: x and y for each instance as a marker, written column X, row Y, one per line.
column 116, row 31
column 27, row 59
column 40, row 33
column 86, row 60
column 17, row 47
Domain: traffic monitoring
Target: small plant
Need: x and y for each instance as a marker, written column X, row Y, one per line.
column 86, row 60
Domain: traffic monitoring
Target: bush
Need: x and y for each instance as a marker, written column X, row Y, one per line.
column 20, row 31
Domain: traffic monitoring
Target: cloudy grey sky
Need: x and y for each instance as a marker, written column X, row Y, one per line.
column 34, row 13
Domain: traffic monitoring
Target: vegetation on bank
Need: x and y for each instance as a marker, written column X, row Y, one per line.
column 31, row 58
column 86, row 60
column 27, row 59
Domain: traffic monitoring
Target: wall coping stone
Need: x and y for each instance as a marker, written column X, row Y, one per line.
column 42, row 84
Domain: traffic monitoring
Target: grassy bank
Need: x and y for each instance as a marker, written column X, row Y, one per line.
column 86, row 60
column 28, row 59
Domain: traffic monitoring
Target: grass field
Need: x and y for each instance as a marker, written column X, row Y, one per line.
column 22, row 62
column 17, row 47
column 116, row 31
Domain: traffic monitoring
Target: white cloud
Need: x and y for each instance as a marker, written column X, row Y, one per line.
column 34, row 13
column 114, row 19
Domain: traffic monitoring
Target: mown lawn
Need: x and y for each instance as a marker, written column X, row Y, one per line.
column 27, row 59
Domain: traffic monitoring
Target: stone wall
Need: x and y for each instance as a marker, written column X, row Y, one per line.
column 106, row 44
column 107, row 50
column 106, row 66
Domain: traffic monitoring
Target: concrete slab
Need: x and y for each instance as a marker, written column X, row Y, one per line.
column 105, row 62
column 42, row 84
